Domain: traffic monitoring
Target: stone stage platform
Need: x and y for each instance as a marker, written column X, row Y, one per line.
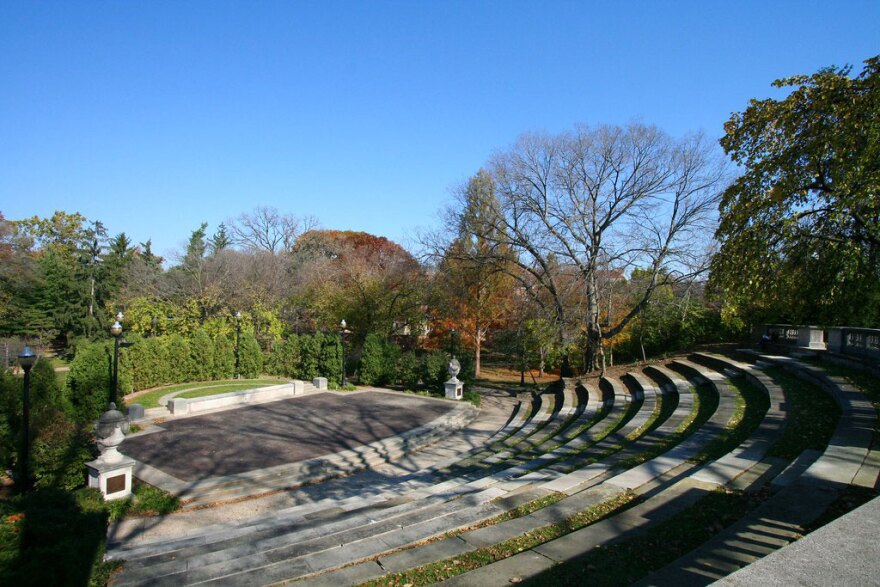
column 279, row 433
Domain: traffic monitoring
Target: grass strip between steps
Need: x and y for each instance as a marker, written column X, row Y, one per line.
column 629, row 561
column 868, row 385
column 751, row 406
column 812, row 416
column 517, row 449
column 705, row 403
column 444, row 569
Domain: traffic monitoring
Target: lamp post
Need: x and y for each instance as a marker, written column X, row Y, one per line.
column 237, row 342
column 452, row 334
column 26, row 359
column 116, row 331
column 342, row 333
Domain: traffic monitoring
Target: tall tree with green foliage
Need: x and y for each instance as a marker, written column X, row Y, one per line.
column 800, row 228
column 475, row 272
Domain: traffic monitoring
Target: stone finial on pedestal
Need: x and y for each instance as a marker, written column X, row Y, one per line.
column 111, row 472
column 454, row 388
column 109, row 420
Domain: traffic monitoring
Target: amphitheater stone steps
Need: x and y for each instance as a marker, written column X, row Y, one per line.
column 669, row 478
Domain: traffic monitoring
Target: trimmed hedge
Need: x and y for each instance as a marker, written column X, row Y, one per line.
column 307, row 356
column 152, row 362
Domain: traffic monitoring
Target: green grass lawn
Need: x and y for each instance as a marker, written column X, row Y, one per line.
column 151, row 399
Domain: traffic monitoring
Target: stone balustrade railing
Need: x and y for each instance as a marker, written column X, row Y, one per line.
column 846, row 340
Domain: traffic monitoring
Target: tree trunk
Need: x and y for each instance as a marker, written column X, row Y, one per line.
column 594, row 334
column 477, row 357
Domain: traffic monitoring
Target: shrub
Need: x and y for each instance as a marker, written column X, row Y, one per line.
column 88, row 382
column 180, row 359
column 45, row 391
column 250, row 358
column 330, row 362
column 373, row 369
column 224, row 358
column 59, row 541
column 59, row 451
column 201, row 352
column 435, row 370
column 468, row 369
column 409, row 370
column 472, row 397
column 147, row 363
column 10, row 418
column 310, row 357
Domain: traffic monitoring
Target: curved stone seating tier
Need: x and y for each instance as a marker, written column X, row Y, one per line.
column 755, row 448
column 570, row 481
column 545, row 412
column 585, row 419
column 551, row 460
column 519, row 416
column 669, row 392
column 760, row 523
column 657, row 508
column 681, row 453
column 804, row 495
column 481, row 469
column 846, row 460
column 509, row 464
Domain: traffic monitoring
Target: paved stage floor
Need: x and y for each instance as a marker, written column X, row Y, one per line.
column 278, row 433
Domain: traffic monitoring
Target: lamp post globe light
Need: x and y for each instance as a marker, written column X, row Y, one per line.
column 26, row 359
column 342, row 333
column 237, row 342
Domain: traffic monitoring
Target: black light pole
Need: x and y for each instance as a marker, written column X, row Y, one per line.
column 116, row 331
column 237, row 341
column 342, row 332
column 26, row 359
column 452, row 342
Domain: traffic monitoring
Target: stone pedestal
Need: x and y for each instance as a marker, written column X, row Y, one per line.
column 299, row 387
column 320, row 382
column 135, row 412
column 811, row 337
column 835, row 340
column 454, row 388
column 179, row 406
column 111, row 472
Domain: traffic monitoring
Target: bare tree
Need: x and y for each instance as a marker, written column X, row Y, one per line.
column 266, row 229
column 599, row 198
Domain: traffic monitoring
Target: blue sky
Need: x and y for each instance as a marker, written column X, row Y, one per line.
column 155, row 116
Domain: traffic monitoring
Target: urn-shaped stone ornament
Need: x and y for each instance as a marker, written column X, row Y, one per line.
column 109, row 420
column 454, row 368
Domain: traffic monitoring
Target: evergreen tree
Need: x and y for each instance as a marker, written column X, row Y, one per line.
column 220, row 241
